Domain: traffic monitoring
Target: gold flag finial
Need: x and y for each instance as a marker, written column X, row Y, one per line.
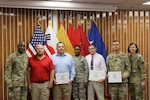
column 50, row 19
column 93, row 17
column 39, row 19
column 78, row 18
column 61, row 18
column 70, row 18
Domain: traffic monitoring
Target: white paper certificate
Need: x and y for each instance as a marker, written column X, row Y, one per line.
column 62, row 78
column 96, row 75
column 114, row 77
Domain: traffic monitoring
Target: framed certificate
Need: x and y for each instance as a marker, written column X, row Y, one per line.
column 95, row 75
column 62, row 78
column 114, row 77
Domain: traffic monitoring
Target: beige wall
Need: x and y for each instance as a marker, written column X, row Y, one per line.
column 124, row 25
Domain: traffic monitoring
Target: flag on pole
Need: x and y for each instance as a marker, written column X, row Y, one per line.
column 95, row 39
column 38, row 38
column 84, row 43
column 72, row 35
column 51, row 36
column 63, row 37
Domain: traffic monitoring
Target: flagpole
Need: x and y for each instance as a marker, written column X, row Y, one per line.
column 50, row 19
column 78, row 17
column 70, row 18
column 39, row 19
column 94, row 20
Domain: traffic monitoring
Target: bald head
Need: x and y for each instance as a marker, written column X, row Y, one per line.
column 40, row 50
column 21, row 47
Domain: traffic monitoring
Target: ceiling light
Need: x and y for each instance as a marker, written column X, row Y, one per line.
column 59, row 5
column 61, row 0
column 146, row 3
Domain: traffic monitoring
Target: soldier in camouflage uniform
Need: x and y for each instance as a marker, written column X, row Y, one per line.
column 16, row 73
column 81, row 78
column 118, row 61
column 137, row 77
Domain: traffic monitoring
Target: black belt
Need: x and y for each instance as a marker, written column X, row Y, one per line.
column 41, row 81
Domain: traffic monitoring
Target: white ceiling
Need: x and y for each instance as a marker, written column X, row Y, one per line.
column 121, row 4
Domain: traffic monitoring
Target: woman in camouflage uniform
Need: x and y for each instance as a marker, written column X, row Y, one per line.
column 82, row 73
column 137, row 76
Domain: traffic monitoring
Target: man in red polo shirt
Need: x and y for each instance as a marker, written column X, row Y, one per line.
column 40, row 75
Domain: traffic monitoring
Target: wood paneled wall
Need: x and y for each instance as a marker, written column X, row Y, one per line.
column 124, row 25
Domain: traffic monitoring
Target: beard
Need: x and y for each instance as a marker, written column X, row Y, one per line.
column 40, row 54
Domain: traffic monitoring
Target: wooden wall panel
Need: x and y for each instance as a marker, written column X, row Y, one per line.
column 1, row 56
column 123, row 25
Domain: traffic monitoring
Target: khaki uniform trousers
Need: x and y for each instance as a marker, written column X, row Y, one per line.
column 40, row 91
column 95, row 87
column 62, row 92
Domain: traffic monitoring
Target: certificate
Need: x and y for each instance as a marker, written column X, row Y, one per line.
column 96, row 75
column 114, row 77
column 62, row 78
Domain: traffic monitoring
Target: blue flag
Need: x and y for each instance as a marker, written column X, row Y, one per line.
column 95, row 38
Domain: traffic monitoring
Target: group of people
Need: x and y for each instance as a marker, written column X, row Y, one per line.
column 39, row 73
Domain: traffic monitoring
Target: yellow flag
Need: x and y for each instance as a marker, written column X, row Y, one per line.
column 63, row 37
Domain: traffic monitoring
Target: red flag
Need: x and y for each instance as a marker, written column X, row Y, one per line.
column 72, row 35
column 84, row 43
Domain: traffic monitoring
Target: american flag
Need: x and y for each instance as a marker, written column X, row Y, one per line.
column 38, row 38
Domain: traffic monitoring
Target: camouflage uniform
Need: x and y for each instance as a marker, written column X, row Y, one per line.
column 16, row 76
column 118, row 62
column 137, row 76
column 82, row 72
